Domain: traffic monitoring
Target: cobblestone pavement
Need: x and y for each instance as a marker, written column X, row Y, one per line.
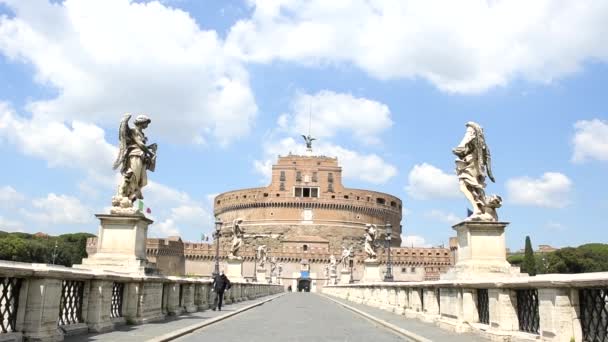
column 426, row 330
column 295, row 317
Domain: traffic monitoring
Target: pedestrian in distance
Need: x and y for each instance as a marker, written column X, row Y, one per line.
column 220, row 284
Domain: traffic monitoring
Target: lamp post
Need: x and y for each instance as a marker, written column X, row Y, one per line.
column 351, row 263
column 216, row 237
column 389, row 267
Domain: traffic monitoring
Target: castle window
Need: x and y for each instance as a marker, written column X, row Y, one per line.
column 282, row 187
column 403, row 269
column 393, row 204
column 330, row 187
column 305, row 248
column 330, row 177
column 306, row 191
column 265, row 195
column 314, row 177
column 282, row 178
column 218, row 201
column 413, row 270
column 380, row 200
column 298, row 176
column 345, row 196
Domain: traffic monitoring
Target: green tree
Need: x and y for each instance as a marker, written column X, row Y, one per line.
column 529, row 263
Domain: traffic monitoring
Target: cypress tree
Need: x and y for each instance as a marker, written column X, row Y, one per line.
column 529, row 264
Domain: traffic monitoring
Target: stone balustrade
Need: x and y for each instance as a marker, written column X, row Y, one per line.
column 41, row 302
column 555, row 307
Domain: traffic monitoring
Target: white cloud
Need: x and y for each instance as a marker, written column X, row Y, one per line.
column 413, row 241
column 442, row 216
column 458, row 46
column 9, row 196
column 329, row 113
column 367, row 167
column 425, row 181
column 551, row 190
column 106, row 57
column 10, row 225
column 555, row 226
column 81, row 146
column 185, row 216
column 590, row 140
column 58, row 209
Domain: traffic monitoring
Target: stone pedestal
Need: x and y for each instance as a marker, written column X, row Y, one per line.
column 481, row 251
column 260, row 276
column 371, row 271
column 121, row 245
column 344, row 276
column 273, row 279
column 234, row 270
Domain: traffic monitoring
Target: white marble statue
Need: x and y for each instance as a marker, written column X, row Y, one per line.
column 262, row 255
column 371, row 234
column 473, row 164
column 273, row 265
column 345, row 257
column 280, row 269
column 134, row 159
column 237, row 238
column 332, row 264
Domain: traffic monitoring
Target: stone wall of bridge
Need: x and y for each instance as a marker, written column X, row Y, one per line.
column 555, row 307
column 41, row 302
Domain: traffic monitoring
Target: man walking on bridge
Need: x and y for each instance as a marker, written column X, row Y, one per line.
column 220, row 284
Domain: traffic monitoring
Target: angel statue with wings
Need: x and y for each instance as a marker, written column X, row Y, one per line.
column 308, row 139
column 371, row 235
column 473, row 164
column 134, row 158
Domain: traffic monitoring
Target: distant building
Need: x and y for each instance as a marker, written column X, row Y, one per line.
column 304, row 217
column 546, row 249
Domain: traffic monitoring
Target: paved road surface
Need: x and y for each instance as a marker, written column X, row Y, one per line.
column 292, row 318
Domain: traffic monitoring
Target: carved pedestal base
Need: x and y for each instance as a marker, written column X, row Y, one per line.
column 344, row 277
column 260, row 276
column 481, row 252
column 234, row 270
column 371, row 271
column 121, row 245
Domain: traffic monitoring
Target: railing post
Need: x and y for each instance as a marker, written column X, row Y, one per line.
column 557, row 315
column 188, row 297
column 42, row 309
column 131, row 301
column 99, row 306
column 173, row 305
column 503, row 309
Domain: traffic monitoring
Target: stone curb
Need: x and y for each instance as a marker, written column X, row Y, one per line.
column 184, row 331
column 384, row 323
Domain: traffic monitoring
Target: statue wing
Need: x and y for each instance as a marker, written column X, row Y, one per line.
column 123, row 132
column 488, row 162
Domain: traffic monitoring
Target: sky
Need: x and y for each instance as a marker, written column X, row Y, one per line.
column 230, row 85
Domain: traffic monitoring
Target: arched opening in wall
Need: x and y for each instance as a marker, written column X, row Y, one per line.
column 305, row 248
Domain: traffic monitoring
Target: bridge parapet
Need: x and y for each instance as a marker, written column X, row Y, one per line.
column 554, row 307
column 45, row 302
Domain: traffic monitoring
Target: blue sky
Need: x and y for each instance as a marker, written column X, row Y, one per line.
column 229, row 85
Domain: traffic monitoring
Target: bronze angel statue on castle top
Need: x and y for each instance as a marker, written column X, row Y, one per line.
column 473, row 164
column 134, row 158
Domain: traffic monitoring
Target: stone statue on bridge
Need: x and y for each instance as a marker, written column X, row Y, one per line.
column 273, row 266
column 134, row 159
column 332, row 264
column 262, row 255
column 237, row 238
column 371, row 235
column 344, row 258
column 473, row 164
